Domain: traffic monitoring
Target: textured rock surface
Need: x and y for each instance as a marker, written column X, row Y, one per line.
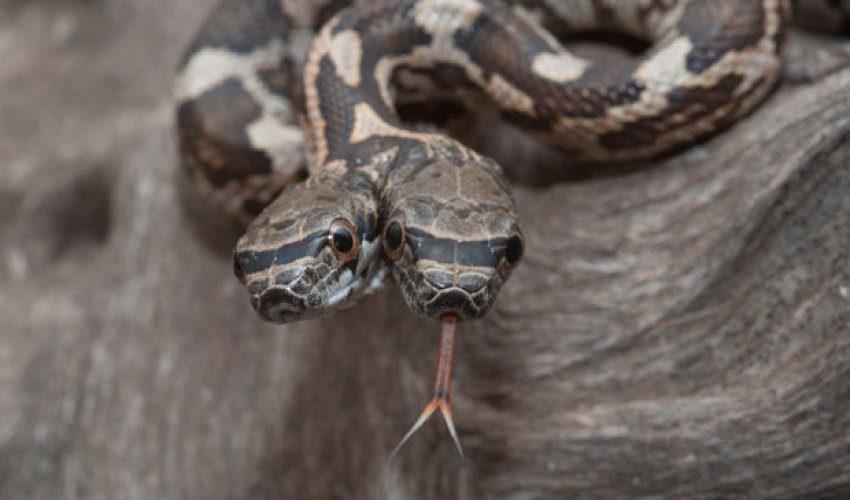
column 681, row 329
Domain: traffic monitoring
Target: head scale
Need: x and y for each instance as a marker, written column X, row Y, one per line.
column 313, row 251
column 450, row 232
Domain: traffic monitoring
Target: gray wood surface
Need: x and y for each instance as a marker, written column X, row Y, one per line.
column 681, row 329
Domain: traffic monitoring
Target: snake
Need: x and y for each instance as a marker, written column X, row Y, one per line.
column 289, row 126
column 271, row 91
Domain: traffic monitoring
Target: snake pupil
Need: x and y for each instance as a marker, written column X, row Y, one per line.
column 342, row 240
column 393, row 236
column 514, row 249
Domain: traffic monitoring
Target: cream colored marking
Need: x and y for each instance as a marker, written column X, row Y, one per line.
column 561, row 67
column 335, row 166
column 661, row 73
column 381, row 160
column 346, row 52
column 505, row 93
column 204, row 71
column 377, row 280
column 759, row 66
column 383, row 71
column 367, row 250
column 278, row 140
column 211, row 67
column 445, row 15
column 318, row 49
column 443, row 50
column 345, row 278
column 368, row 124
column 442, row 18
column 424, row 264
column 668, row 65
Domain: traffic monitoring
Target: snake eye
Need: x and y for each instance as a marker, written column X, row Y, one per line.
column 394, row 239
column 343, row 239
column 514, row 249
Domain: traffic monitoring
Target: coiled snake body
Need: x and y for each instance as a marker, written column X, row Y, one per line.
column 449, row 222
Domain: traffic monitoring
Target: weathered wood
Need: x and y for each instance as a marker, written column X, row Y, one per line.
column 678, row 329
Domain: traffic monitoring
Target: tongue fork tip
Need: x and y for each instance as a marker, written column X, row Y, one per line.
column 442, row 388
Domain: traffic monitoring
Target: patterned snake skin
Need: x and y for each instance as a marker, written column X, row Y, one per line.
column 382, row 194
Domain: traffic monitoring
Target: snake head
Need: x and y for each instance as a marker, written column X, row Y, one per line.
column 313, row 251
column 450, row 233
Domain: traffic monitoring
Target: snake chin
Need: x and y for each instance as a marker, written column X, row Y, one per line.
column 434, row 292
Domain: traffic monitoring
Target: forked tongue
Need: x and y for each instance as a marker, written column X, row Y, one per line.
column 442, row 386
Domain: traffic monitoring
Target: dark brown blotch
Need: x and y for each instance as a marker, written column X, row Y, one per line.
column 696, row 102
column 212, row 135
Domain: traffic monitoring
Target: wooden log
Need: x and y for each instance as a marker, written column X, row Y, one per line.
column 677, row 329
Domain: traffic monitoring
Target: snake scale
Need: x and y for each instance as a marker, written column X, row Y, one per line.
column 271, row 91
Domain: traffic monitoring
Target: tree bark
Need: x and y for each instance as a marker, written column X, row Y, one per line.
column 677, row 329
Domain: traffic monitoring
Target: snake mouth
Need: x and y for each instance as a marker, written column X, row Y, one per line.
column 280, row 304
column 291, row 294
column 469, row 282
column 277, row 305
column 311, row 292
column 468, row 295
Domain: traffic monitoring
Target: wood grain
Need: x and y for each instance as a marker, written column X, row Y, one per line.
column 679, row 329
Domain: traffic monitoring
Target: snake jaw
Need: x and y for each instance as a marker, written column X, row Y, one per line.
column 468, row 295
column 318, row 290
column 433, row 292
